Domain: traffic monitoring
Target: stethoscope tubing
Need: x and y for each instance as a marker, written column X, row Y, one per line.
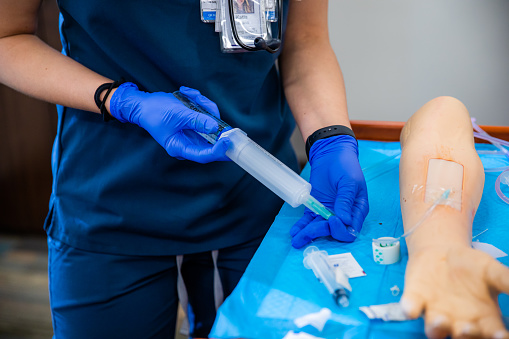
column 260, row 43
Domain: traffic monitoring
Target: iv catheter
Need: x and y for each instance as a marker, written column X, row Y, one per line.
column 316, row 260
column 271, row 172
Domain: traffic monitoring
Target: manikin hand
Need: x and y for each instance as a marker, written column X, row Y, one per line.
column 457, row 289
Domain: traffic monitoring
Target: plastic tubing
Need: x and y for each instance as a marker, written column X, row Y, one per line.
column 441, row 199
column 494, row 141
column 390, row 240
column 496, row 169
column 481, row 134
column 504, row 176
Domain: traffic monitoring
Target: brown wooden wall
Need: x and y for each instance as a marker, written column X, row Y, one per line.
column 27, row 130
column 390, row 130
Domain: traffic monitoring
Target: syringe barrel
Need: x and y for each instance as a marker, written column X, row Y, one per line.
column 271, row 172
column 317, row 261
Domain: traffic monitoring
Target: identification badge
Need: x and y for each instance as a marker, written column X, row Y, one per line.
column 250, row 23
column 270, row 10
column 208, row 10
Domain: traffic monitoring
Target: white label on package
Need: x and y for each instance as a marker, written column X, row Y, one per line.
column 386, row 312
column 347, row 263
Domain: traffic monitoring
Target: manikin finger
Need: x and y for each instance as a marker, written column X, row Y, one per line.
column 412, row 304
column 465, row 329
column 437, row 325
column 493, row 327
column 498, row 276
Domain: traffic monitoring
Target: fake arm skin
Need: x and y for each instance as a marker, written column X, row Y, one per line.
column 30, row 66
column 312, row 79
column 454, row 285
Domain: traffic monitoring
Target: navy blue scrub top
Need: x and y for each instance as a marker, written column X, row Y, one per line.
column 115, row 189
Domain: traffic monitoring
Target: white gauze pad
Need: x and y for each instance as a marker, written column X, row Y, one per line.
column 444, row 175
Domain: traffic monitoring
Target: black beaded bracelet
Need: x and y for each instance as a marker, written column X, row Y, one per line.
column 102, row 104
column 327, row 132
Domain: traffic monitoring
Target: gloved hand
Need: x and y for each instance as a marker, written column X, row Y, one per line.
column 338, row 183
column 171, row 123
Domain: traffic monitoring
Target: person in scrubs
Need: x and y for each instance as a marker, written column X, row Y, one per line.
column 143, row 210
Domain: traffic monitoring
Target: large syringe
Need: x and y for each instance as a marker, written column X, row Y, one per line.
column 271, row 172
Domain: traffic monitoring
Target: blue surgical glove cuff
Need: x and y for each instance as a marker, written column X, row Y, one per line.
column 324, row 146
column 327, row 132
column 116, row 98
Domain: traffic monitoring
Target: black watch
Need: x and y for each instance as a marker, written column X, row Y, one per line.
column 327, row 132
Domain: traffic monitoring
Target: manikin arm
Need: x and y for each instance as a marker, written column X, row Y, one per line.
column 454, row 285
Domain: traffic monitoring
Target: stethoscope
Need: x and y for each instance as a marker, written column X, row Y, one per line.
column 271, row 46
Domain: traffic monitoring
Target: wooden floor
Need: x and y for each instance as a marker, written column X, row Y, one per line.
column 24, row 297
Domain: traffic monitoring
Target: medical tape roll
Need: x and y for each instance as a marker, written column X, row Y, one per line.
column 386, row 251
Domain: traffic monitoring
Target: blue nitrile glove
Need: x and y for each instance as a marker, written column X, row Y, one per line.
column 338, row 183
column 171, row 123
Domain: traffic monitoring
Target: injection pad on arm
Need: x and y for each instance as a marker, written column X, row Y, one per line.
column 443, row 175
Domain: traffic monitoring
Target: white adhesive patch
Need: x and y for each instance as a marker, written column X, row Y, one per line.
column 444, row 175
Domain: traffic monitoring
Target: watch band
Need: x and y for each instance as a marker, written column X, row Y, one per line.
column 327, row 132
